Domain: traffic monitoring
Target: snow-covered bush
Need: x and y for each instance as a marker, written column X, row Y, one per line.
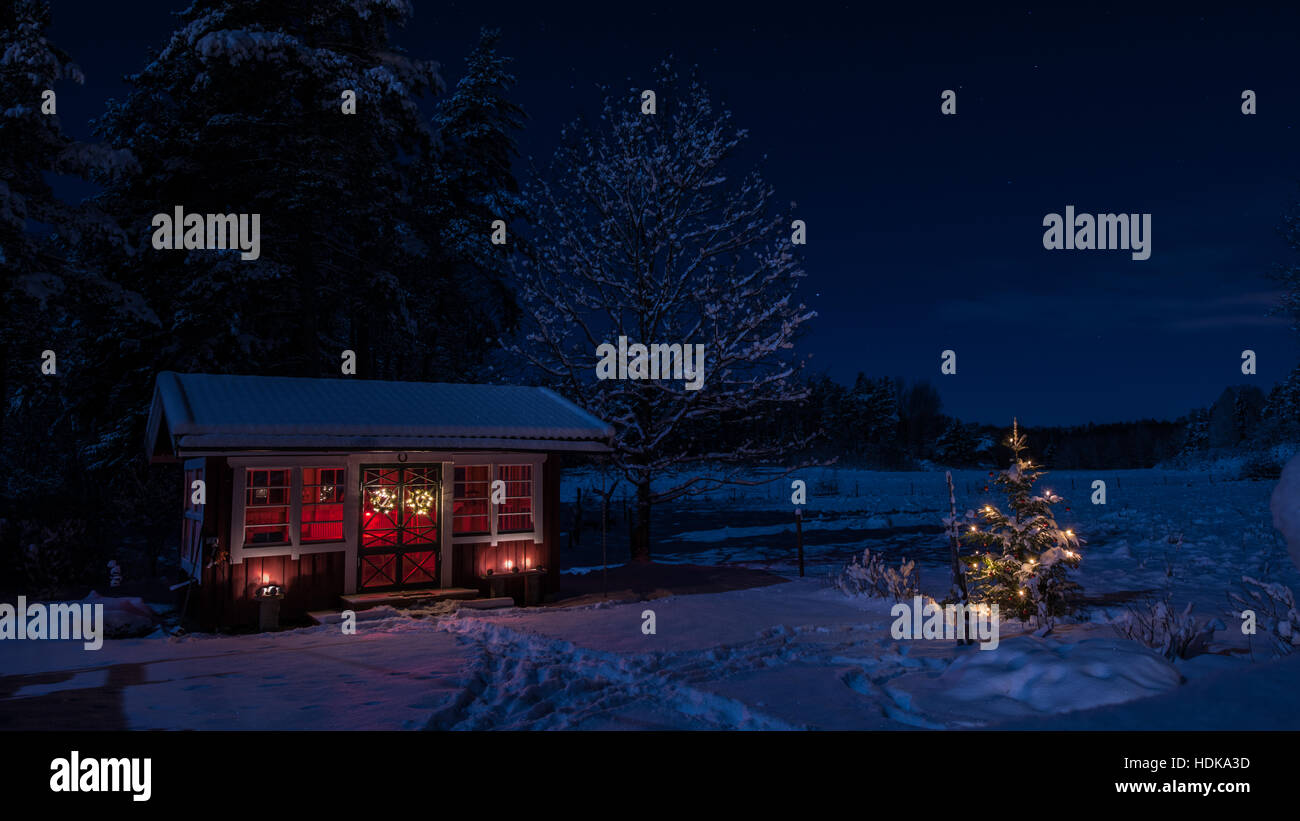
column 1285, row 506
column 124, row 617
column 1173, row 634
column 1260, row 465
column 868, row 576
column 1275, row 611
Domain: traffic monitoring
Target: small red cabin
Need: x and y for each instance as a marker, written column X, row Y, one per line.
column 315, row 489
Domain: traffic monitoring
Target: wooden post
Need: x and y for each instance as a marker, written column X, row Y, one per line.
column 954, row 543
column 798, row 536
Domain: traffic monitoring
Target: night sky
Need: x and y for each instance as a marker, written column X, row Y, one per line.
column 925, row 232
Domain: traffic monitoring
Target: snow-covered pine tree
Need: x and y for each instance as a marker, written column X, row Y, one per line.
column 1283, row 406
column 642, row 229
column 32, row 145
column 42, row 237
column 871, row 418
column 467, row 182
column 1197, row 437
column 958, row 445
column 45, row 288
column 1281, row 413
column 1024, row 555
column 856, row 422
column 242, row 112
column 1288, row 275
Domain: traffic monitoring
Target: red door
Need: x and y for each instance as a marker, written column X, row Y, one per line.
column 399, row 526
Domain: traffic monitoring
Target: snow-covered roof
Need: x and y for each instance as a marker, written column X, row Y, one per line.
column 203, row 412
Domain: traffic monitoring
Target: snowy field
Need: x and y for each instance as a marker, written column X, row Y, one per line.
column 791, row 655
column 1225, row 528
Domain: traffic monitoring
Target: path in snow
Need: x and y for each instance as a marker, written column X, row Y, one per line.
column 790, row 656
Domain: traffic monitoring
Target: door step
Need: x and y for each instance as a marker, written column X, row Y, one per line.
column 406, row 598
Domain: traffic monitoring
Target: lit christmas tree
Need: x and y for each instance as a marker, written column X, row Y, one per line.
column 1024, row 556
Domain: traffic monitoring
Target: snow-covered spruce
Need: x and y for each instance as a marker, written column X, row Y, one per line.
column 1024, row 555
column 411, row 196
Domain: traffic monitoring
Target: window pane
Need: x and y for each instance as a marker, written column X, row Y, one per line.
column 266, row 507
column 381, row 513
column 322, row 504
column 515, row 514
column 420, row 505
column 470, row 505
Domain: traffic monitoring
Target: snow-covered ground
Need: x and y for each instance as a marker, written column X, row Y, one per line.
column 796, row 654
column 1225, row 527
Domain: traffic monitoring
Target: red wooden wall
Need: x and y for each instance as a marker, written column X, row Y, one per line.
column 312, row 582
column 474, row 559
column 315, row 581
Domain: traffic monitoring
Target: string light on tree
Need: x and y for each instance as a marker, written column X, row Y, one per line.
column 1025, row 555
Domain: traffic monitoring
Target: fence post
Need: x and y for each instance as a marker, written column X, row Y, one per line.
column 798, row 536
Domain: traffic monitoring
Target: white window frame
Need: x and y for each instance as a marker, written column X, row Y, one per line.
column 493, row 461
column 297, row 503
column 296, row 547
column 352, row 463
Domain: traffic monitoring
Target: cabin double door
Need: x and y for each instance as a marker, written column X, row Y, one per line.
column 400, row 512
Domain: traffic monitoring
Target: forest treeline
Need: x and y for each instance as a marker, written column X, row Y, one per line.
column 891, row 423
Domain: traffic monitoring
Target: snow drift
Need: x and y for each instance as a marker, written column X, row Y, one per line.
column 1028, row 676
column 1285, row 505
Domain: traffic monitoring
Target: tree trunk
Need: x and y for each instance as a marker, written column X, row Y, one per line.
column 640, row 531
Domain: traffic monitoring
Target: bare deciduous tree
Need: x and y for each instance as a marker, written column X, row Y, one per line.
column 639, row 230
